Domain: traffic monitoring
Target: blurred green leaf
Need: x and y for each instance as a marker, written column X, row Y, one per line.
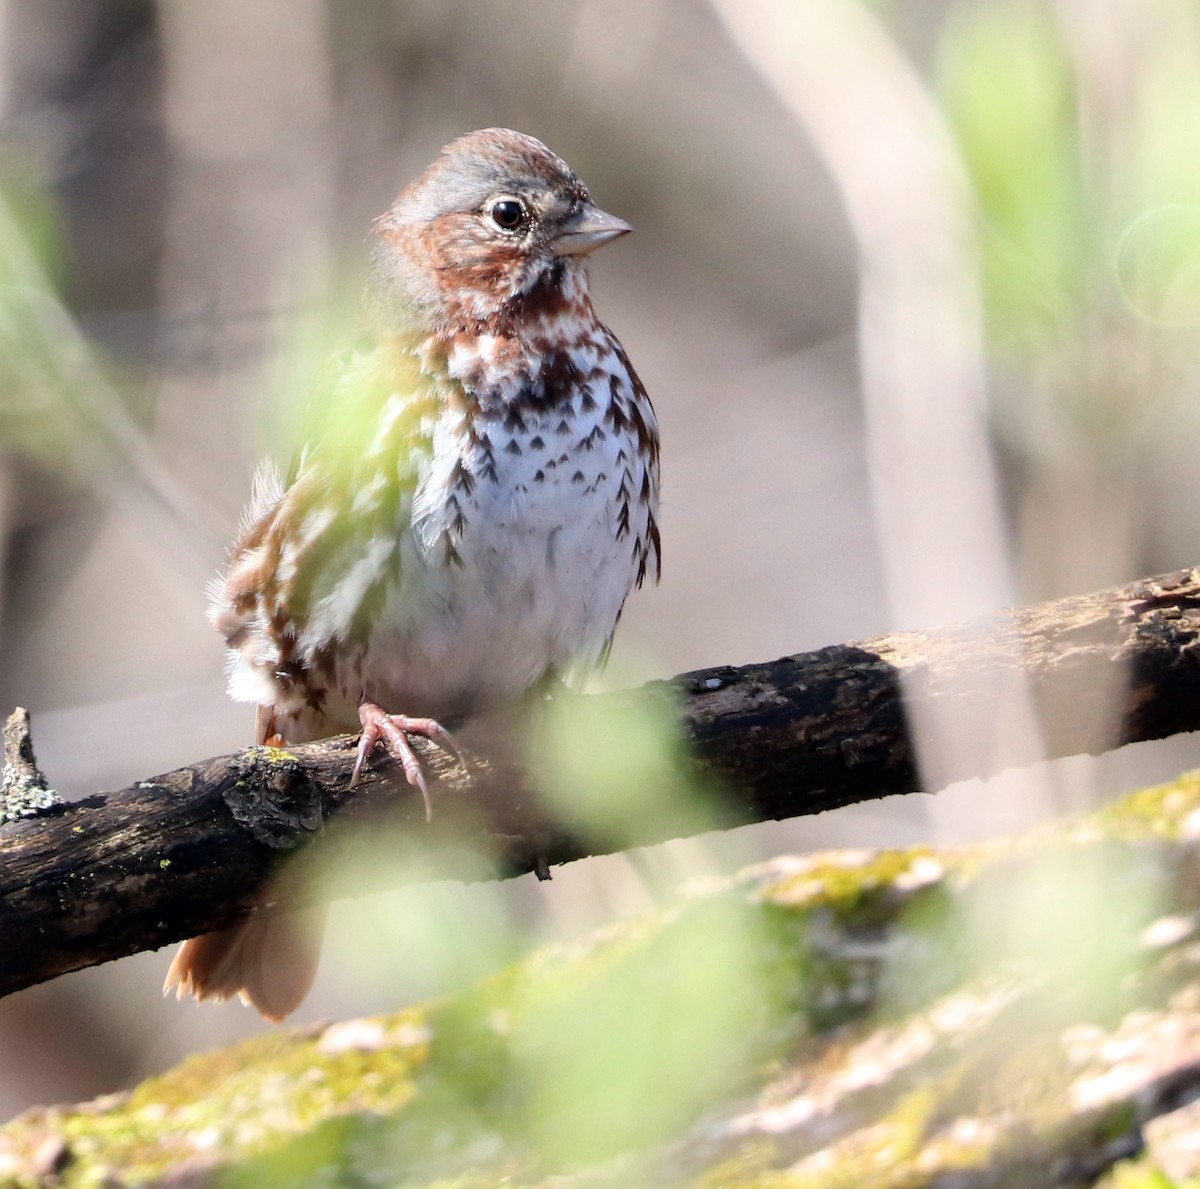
column 611, row 767
column 1006, row 84
column 31, row 382
column 619, row 1051
column 1076, row 141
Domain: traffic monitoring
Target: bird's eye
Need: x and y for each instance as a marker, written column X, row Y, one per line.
column 508, row 213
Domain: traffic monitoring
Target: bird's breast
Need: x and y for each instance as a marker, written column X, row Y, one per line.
column 528, row 528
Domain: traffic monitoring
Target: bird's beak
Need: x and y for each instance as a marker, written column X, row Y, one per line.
column 586, row 230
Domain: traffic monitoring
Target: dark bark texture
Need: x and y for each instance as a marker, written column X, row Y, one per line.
column 198, row 848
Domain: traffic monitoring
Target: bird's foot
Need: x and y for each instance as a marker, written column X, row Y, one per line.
column 394, row 729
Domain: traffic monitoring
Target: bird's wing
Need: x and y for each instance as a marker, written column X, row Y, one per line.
column 316, row 552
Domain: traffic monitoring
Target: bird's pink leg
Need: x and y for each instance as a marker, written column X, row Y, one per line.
column 393, row 729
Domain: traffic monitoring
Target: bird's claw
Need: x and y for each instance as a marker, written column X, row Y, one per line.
column 394, row 729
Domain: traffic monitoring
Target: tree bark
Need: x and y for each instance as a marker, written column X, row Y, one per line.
column 201, row 847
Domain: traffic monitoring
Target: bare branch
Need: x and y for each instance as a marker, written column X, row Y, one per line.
column 192, row 850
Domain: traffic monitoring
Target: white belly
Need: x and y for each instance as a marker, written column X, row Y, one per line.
column 518, row 576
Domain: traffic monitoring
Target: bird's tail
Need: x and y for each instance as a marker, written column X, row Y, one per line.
column 269, row 962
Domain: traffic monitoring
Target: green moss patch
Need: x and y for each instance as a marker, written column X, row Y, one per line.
column 867, row 1019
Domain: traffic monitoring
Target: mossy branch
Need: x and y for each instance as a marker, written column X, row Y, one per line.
column 193, row 850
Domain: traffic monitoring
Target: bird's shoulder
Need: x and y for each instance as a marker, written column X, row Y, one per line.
column 373, row 400
column 366, row 435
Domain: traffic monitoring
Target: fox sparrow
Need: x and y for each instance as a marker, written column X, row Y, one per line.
column 475, row 497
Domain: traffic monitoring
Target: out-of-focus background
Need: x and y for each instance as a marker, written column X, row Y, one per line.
column 915, row 289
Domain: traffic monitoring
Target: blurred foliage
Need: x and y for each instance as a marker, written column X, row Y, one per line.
column 747, row 1035
column 1081, row 152
column 612, row 770
column 64, row 406
column 34, row 252
column 1144, row 1175
column 1020, row 143
column 621, row 1051
column 32, row 383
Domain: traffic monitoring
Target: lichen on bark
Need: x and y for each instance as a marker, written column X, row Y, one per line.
column 1018, row 1013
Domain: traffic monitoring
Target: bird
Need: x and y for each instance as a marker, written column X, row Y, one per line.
column 475, row 495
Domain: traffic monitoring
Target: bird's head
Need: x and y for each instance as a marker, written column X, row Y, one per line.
column 496, row 228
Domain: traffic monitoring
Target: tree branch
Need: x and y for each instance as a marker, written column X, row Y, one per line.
column 192, row 850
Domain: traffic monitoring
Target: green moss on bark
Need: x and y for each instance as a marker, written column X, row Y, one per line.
column 875, row 1020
